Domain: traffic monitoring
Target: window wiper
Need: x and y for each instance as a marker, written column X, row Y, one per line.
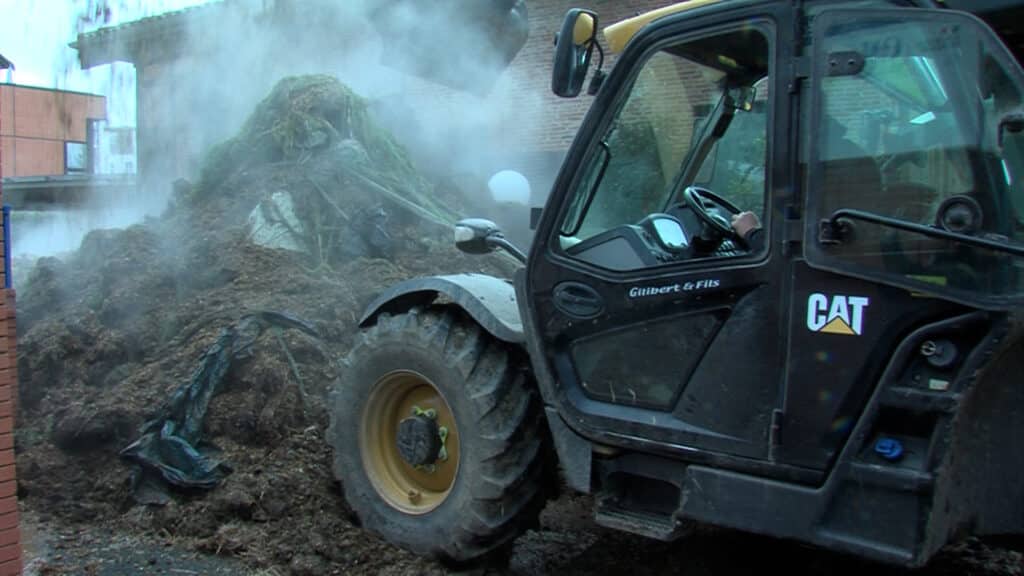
column 833, row 230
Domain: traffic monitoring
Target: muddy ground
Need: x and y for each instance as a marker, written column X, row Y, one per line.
column 567, row 543
column 109, row 332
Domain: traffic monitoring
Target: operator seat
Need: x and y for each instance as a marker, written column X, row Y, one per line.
column 851, row 178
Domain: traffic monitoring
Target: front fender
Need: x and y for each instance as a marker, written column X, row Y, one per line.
column 488, row 300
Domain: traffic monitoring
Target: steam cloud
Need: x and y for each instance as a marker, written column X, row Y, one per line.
column 235, row 51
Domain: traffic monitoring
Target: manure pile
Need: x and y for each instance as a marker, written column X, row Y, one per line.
column 253, row 279
column 309, row 211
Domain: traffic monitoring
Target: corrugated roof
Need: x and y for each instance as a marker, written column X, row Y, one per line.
column 113, row 43
column 147, row 22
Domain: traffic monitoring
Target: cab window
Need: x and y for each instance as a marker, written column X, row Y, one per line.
column 908, row 128
column 695, row 117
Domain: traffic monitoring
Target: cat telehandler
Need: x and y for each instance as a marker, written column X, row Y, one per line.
column 848, row 374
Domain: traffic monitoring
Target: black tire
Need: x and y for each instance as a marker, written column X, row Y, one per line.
column 501, row 480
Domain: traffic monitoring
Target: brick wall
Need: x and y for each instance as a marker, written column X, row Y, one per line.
column 556, row 120
column 10, row 533
column 530, row 73
column 519, row 124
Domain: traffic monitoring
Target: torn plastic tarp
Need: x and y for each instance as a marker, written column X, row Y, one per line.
column 170, row 450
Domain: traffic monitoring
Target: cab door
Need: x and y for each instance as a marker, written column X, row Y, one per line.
column 914, row 203
column 672, row 343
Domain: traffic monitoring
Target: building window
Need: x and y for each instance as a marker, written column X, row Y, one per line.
column 76, row 157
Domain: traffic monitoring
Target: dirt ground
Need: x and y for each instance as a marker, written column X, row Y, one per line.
column 109, row 332
column 567, row 543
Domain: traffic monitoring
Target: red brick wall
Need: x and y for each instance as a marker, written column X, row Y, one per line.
column 520, row 123
column 551, row 122
column 532, row 118
column 10, row 534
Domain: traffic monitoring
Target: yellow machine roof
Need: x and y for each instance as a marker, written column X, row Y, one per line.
column 619, row 34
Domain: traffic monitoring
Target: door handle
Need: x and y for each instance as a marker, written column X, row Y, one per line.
column 578, row 300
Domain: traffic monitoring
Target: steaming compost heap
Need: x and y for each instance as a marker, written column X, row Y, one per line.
column 310, row 210
column 305, row 215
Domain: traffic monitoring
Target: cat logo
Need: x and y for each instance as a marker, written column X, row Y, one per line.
column 836, row 314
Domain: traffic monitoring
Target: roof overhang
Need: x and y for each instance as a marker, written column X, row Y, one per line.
column 139, row 41
column 464, row 44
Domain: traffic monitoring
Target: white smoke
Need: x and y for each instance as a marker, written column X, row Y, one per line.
column 231, row 63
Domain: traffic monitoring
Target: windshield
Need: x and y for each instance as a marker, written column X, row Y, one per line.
column 736, row 165
column 645, row 146
column 908, row 127
column 696, row 114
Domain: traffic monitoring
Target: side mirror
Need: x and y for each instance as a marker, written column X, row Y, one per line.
column 471, row 235
column 742, row 98
column 480, row 236
column 574, row 47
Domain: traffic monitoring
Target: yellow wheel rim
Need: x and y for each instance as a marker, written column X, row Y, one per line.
column 395, row 397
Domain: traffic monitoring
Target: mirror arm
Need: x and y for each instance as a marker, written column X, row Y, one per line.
column 597, row 79
column 600, row 53
column 499, row 241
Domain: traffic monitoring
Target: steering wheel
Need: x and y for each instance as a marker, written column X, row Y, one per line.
column 695, row 196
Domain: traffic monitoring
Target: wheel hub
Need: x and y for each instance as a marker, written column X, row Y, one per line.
column 419, row 440
column 409, row 442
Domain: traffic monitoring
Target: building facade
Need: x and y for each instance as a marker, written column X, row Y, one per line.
column 48, row 132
